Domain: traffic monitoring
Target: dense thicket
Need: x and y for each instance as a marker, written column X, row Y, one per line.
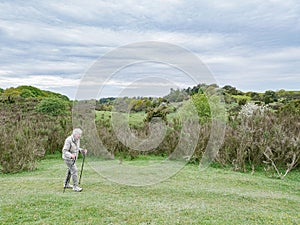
column 31, row 126
column 262, row 129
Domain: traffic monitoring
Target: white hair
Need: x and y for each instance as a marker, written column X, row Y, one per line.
column 77, row 131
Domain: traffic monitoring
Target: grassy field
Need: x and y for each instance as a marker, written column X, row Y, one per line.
column 214, row 196
column 135, row 120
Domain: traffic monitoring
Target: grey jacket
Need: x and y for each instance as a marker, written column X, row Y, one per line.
column 71, row 146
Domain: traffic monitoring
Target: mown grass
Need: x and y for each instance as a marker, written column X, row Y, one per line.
column 213, row 196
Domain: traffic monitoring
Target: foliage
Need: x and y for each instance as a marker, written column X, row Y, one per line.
column 255, row 96
column 27, row 136
column 20, row 148
column 258, row 136
column 255, row 136
column 30, row 92
column 176, row 96
column 160, row 111
column 201, row 104
column 53, row 106
column 270, row 96
column 241, row 99
column 231, row 90
column 292, row 107
column 141, row 104
column 286, row 96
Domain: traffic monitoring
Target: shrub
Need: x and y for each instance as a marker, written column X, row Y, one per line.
column 201, row 104
column 20, row 149
column 270, row 96
column 27, row 135
column 291, row 108
column 160, row 111
column 259, row 136
column 52, row 106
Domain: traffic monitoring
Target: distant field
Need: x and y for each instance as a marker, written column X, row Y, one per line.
column 135, row 119
column 214, row 196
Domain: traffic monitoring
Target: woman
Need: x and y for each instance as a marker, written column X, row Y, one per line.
column 69, row 154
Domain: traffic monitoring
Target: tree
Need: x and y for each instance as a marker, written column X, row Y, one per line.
column 201, row 104
column 254, row 96
column 270, row 96
column 230, row 90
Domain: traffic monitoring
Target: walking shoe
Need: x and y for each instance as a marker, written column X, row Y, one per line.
column 68, row 186
column 76, row 188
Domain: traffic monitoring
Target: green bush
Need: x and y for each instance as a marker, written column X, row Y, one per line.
column 53, row 106
column 201, row 104
column 27, row 135
column 292, row 107
column 270, row 96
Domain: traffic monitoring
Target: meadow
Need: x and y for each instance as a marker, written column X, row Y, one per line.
column 213, row 196
column 254, row 178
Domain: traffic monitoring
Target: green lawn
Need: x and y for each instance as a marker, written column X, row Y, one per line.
column 213, row 196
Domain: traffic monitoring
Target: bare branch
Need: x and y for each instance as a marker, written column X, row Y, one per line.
column 273, row 164
column 291, row 165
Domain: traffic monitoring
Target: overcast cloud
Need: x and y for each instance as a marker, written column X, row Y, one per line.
column 252, row 45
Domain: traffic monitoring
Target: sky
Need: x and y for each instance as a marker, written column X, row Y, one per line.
column 251, row 45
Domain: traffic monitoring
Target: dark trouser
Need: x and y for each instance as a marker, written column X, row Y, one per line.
column 73, row 170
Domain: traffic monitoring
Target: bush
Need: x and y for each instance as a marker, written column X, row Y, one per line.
column 259, row 136
column 52, row 106
column 160, row 112
column 26, row 135
column 20, row 149
column 202, row 106
column 270, row 96
column 291, row 108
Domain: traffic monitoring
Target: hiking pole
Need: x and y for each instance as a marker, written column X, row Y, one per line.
column 81, row 168
column 68, row 176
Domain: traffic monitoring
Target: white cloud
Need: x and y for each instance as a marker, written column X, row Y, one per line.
column 41, row 81
column 243, row 41
column 258, row 71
